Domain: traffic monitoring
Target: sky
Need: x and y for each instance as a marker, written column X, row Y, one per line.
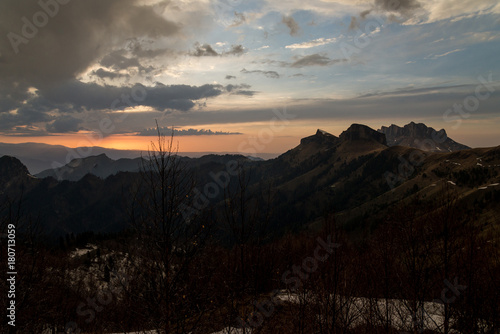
column 245, row 76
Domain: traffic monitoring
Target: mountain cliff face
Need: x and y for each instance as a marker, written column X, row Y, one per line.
column 11, row 168
column 359, row 132
column 14, row 176
column 420, row 136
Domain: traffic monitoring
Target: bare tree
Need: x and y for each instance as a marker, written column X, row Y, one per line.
column 168, row 240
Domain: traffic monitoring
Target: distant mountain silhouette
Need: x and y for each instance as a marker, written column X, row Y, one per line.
column 422, row 137
column 100, row 166
column 41, row 157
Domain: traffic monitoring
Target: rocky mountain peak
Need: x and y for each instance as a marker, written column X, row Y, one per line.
column 11, row 167
column 359, row 132
column 415, row 134
column 321, row 137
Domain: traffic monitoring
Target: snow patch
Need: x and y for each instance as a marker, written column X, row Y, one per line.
column 231, row 330
column 80, row 252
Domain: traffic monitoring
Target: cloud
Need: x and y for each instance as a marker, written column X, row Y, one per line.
column 446, row 9
column 315, row 60
column 235, row 50
column 405, row 7
column 269, row 74
column 104, row 74
column 75, row 96
column 229, row 77
column 79, row 34
column 311, row 44
column 443, row 55
column 240, row 90
column 292, row 25
column 365, row 13
column 116, row 60
column 24, row 117
column 65, row 124
column 427, row 102
column 184, row 132
column 238, row 20
column 206, row 50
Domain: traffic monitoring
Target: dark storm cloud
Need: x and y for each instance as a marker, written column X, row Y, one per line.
column 206, row 50
column 25, row 116
column 91, row 96
column 315, row 60
column 269, row 74
column 292, row 25
column 49, row 56
column 75, row 96
column 65, row 124
column 80, row 33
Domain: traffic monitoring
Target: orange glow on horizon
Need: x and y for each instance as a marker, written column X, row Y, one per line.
column 245, row 144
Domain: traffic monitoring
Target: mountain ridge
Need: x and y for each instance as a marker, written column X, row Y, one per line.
column 323, row 174
column 419, row 135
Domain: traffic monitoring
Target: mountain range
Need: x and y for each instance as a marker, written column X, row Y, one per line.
column 40, row 157
column 422, row 137
column 358, row 175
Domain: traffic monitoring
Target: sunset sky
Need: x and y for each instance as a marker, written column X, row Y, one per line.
column 259, row 74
